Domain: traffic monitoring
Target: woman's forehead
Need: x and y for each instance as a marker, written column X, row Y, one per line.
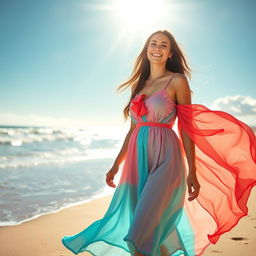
column 160, row 38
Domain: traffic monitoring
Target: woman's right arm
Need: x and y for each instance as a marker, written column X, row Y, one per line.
column 120, row 157
column 122, row 154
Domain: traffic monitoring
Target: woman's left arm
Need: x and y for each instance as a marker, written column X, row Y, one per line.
column 183, row 96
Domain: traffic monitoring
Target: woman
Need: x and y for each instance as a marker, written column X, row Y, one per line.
column 213, row 160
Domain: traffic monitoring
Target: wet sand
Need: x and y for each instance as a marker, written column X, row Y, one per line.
column 42, row 236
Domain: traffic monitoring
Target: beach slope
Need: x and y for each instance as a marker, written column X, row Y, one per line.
column 42, row 236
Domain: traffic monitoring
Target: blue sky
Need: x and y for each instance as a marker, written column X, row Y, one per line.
column 61, row 60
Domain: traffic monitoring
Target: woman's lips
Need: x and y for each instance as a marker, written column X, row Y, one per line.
column 157, row 55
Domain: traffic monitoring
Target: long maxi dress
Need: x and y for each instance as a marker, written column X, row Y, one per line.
column 149, row 210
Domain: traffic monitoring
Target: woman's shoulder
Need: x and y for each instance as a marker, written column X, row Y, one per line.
column 180, row 82
column 182, row 89
column 179, row 76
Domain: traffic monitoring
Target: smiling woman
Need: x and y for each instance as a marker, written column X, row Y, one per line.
column 139, row 15
column 178, row 192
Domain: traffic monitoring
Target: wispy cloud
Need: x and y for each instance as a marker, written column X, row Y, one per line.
column 242, row 107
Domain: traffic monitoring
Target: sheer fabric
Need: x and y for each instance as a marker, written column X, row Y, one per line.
column 149, row 211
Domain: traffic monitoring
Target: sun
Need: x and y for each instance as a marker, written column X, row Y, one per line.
column 139, row 15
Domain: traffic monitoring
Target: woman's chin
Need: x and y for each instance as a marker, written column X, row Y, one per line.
column 157, row 61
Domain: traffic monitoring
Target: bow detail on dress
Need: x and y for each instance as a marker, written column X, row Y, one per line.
column 138, row 105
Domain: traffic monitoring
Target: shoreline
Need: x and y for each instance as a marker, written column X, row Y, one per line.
column 42, row 236
column 94, row 197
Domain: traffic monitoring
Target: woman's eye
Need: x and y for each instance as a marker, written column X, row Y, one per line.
column 161, row 45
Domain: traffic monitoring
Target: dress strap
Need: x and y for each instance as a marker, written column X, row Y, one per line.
column 169, row 81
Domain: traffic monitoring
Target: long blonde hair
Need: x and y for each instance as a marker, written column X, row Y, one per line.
column 141, row 69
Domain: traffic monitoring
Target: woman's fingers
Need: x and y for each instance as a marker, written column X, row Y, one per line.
column 193, row 186
column 109, row 180
column 189, row 188
column 110, row 176
column 195, row 193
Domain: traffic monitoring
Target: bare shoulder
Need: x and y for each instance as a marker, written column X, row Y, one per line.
column 180, row 81
column 182, row 89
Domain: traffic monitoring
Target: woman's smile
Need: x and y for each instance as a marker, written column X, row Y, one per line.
column 156, row 54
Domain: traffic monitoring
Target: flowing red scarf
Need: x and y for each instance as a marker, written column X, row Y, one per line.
column 225, row 160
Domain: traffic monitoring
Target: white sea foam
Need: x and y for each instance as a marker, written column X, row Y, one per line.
column 32, row 146
column 43, row 170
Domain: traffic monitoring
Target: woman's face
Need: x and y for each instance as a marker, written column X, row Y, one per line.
column 159, row 48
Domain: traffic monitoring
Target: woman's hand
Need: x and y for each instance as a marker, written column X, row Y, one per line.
column 192, row 182
column 110, row 176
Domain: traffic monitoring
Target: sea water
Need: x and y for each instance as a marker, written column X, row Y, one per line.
column 43, row 169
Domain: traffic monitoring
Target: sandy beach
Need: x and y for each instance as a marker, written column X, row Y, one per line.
column 42, row 236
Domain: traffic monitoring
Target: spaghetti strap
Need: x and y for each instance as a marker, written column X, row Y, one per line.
column 169, row 81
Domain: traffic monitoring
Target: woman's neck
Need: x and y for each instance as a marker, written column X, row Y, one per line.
column 157, row 71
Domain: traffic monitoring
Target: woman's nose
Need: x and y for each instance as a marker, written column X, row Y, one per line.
column 157, row 47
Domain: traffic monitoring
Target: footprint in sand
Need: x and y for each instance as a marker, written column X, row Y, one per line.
column 238, row 238
column 216, row 251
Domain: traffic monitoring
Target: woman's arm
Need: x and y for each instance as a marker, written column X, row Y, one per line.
column 183, row 96
column 122, row 154
column 120, row 158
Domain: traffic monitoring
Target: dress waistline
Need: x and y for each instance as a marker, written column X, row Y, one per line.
column 139, row 124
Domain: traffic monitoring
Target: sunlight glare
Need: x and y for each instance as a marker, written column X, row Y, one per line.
column 140, row 14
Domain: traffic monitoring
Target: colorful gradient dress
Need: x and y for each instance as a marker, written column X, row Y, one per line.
column 149, row 210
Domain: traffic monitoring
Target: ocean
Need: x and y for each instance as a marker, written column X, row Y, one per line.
column 43, row 169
